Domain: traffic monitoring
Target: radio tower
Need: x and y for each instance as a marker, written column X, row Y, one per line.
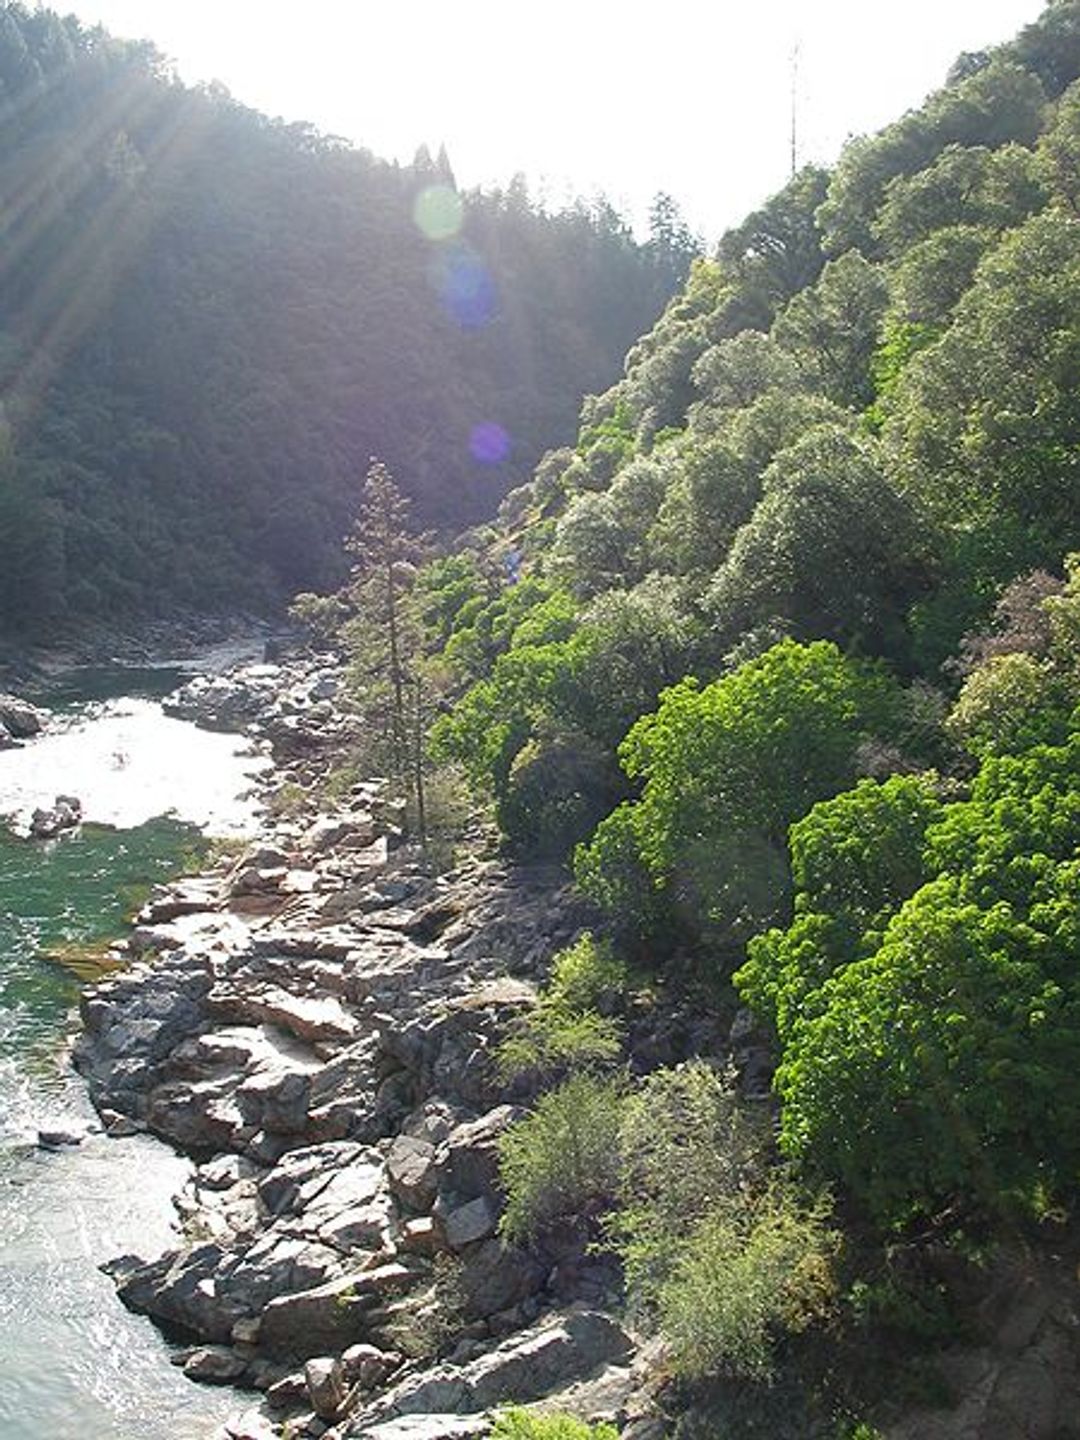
column 795, row 109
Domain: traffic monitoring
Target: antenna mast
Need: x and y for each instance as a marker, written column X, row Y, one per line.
column 795, row 109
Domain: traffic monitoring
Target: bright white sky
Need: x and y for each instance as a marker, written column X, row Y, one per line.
column 582, row 96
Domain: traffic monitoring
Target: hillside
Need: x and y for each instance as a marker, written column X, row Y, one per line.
column 209, row 321
column 782, row 659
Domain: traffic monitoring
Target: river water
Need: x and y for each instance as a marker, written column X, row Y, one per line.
column 74, row 1365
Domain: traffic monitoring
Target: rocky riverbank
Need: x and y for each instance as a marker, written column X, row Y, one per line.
column 313, row 1022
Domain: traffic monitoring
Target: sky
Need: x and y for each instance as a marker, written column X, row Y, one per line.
column 691, row 97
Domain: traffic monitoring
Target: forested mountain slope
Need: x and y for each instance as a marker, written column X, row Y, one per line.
column 209, row 321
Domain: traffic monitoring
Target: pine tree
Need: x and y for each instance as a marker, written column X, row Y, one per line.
column 384, row 641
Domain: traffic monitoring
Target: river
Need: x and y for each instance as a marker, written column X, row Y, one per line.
column 74, row 1365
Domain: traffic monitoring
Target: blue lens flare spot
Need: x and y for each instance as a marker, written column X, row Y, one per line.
column 489, row 443
column 465, row 287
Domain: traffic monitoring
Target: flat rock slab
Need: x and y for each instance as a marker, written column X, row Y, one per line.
column 548, row 1357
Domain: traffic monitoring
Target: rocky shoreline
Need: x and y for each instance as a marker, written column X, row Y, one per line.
column 313, row 1022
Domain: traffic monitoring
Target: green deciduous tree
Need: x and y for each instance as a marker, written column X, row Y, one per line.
column 725, row 769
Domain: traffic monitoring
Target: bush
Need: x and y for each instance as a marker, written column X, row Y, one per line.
column 943, row 1067
column 588, row 975
column 552, row 1039
column 521, row 1425
column 725, row 771
column 561, row 1160
column 572, row 1026
column 688, row 1143
column 747, row 1271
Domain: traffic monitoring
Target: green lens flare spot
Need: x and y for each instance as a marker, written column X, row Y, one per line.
column 438, row 212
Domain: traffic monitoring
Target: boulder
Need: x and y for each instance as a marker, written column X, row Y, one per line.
column 469, row 1223
column 19, row 719
column 215, row 1365
column 496, row 1277
column 427, row 1427
column 412, row 1172
column 327, row 1387
column 65, row 814
column 547, row 1358
column 368, row 1366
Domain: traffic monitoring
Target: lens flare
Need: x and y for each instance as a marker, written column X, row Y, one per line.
column 465, row 287
column 489, row 443
column 438, row 212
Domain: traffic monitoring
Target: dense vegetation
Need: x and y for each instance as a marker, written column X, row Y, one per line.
column 784, row 657
column 209, row 321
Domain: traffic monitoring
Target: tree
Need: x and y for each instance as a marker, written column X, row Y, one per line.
column 832, row 329
column 987, row 420
column 383, row 639
column 831, row 549
column 724, row 770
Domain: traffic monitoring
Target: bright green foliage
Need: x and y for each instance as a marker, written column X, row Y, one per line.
column 588, row 975
column 854, row 859
column 860, row 853
column 745, row 1274
column 930, row 1033
column 524, row 1425
column 555, row 1041
column 1023, row 816
column 946, row 1064
column 725, row 771
column 562, row 1159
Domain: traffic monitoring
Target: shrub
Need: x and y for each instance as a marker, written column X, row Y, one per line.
column 552, row 1039
column 687, row 1143
column 567, row 1030
column 745, row 1272
column 587, row 975
column 725, row 770
column 943, row 1067
column 563, row 1158
column 519, row 1424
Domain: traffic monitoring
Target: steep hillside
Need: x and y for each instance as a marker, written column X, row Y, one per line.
column 783, row 657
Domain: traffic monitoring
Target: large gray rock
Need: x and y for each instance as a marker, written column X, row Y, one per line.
column 64, row 814
column 547, row 1358
column 180, row 1291
column 427, row 1427
column 329, row 1317
column 495, row 1277
column 412, row 1172
column 20, row 719
column 327, row 1387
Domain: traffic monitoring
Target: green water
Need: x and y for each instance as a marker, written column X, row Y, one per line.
column 73, row 1364
column 76, row 892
